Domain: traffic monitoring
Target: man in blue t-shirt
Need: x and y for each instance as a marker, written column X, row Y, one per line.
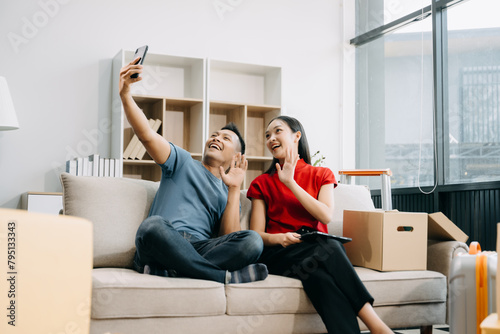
column 193, row 228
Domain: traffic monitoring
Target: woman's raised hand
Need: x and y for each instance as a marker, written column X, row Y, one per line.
column 287, row 171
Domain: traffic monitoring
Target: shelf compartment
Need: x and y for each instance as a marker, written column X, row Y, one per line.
column 183, row 124
column 244, row 83
column 255, row 168
column 221, row 113
column 145, row 171
column 164, row 75
column 258, row 117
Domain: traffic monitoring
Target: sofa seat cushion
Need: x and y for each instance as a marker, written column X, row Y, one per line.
column 125, row 293
column 404, row 287
column 278, row 295
column 274, row 295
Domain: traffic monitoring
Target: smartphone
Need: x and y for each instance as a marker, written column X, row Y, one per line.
column 140, row 52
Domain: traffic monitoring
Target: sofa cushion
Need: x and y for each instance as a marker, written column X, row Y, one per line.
column 124, row 293
column 404, row 287
column 348, row 197
column 278, row 295
column 116, row 207
column 274, row 295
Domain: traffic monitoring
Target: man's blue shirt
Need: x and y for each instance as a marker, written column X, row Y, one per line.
column 189, row 196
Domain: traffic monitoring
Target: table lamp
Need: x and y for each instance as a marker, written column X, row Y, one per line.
column 8, row 118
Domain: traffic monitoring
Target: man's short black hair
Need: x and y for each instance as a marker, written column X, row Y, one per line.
column 232, row 127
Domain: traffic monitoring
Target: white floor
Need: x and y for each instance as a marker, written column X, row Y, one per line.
column 438, row 329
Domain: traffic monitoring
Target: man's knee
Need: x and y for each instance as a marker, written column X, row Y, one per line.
column 254, row 245
column 150, row 228
column 149, row 224
column 254, row 238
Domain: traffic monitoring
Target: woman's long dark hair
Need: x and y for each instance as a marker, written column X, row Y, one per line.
column 295, row 126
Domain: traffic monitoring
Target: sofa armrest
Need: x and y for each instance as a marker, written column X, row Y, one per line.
column 441, row 253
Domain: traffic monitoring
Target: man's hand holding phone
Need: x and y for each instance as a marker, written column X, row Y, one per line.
column 141, row 53
column 130, row 72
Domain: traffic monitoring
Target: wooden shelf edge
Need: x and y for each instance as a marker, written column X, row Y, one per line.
column 167, row 98
column 366, row 172
column 253, row 106
column 259, row 158
column 138, row 162
column 151, row 162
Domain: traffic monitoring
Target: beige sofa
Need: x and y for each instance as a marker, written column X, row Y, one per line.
column 124, row 301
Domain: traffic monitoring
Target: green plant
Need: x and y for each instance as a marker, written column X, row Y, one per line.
column 317, row 159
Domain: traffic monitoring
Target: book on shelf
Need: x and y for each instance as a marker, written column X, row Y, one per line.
column 112, row 167
column 94, row 165
column 79, row 166
column 141, row 151
column 106, row 166
column 86, row 166
column 71, row 166
column 138, row 146
column 135, row 149
column 118, row 170
column 101, row 166
column 130, row 147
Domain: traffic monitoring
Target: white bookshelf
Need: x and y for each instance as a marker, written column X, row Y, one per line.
column 194, row 97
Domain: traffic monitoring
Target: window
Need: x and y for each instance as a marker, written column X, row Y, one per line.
column 473, row 91
column 428, row 100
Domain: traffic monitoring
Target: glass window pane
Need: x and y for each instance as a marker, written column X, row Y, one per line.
column 473, row 113
column 394, row 124
column 371, row 14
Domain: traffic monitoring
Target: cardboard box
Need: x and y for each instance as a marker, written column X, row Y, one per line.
column 386, row 240
column 441, row 228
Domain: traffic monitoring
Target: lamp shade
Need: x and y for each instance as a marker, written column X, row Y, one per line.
column 8, row 118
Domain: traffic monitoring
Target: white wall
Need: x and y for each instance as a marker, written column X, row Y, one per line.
column 56, row 56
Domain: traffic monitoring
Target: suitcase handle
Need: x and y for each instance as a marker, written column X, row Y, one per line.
column 474, row 248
